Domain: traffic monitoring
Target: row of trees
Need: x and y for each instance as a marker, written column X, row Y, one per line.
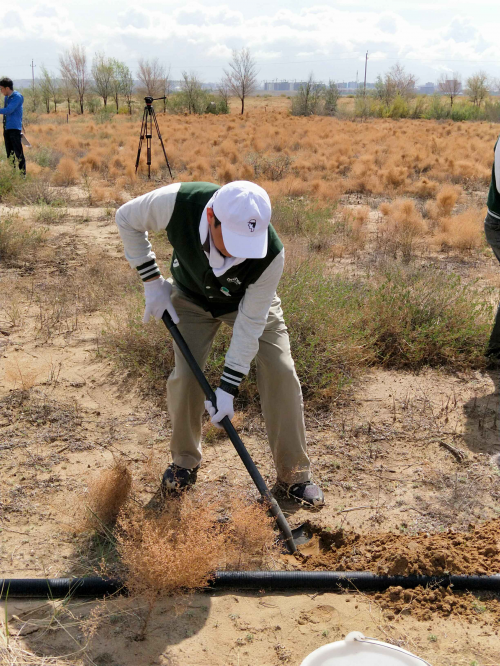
column 398, row 82
column 109, row 78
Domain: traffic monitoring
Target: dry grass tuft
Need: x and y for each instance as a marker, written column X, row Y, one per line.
column 463, row 232
column 250, row 540
column 67, row 172
column 107, row 495
column 404, row 225
column 446, row 199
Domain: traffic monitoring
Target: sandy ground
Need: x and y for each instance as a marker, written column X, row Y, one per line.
column 407, row 453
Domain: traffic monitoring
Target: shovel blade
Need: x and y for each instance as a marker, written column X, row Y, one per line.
column 301, row 535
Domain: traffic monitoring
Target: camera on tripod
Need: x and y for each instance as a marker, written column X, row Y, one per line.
column 148, row 118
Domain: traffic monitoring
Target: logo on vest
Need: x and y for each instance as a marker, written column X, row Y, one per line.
column 175, row 264
column 225, row 291
column 252, row 224
column 235, row 280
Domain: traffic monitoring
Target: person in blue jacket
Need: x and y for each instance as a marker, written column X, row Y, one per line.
column 12, row 122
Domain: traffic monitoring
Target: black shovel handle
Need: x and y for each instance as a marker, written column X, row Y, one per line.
column 232, row 434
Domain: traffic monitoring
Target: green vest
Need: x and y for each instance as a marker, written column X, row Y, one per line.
column 190, row 267
column 494, row 194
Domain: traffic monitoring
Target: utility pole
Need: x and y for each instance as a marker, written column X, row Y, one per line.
column 366, row 63
column 33, row 83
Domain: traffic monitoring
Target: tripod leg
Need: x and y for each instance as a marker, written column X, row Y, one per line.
column 149, row 136
column 141, row 138
column 161, row 141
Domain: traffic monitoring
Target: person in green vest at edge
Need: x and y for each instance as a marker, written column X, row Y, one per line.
column 492, row 231
column 226, row 264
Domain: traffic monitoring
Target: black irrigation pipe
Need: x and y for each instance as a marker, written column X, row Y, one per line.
column 319, row 581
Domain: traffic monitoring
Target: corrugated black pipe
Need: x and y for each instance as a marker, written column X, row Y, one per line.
column 322, row 581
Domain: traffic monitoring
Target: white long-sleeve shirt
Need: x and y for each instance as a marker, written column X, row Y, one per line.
column 152, row 212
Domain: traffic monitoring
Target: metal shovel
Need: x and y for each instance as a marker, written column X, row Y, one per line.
column 292, row 538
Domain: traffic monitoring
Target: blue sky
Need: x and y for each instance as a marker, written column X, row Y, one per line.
column 287, row 39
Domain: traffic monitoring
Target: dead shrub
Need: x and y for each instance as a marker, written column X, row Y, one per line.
column 446, row 199
column 425, row 188
column 107, row 495
column 403, row 227
column 250, row 541
column 66, row 173
column 171, row 553
column 463, row 232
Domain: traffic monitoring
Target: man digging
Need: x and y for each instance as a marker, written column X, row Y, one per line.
column 226, row 264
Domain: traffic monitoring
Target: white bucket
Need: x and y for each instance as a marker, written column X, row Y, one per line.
column 356, row 650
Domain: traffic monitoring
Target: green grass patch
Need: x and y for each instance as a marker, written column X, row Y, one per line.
column 396, row 317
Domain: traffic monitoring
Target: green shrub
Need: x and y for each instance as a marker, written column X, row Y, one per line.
column 18, row 240
column 397, row 317
column 46, row 157
column 10, row 178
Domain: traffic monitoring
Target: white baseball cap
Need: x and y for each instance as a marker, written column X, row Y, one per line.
column 244, row 211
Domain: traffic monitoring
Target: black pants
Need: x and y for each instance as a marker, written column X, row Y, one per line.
column 492, row 231
column 13, row 146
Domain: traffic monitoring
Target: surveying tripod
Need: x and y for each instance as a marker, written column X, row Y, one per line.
column 148, row 118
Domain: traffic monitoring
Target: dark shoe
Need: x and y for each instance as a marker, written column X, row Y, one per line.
column 307, row 493
column 178, row 478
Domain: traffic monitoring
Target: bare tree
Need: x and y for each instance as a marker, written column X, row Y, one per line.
column 66, row 92
column 151, row 74
column 102, row 74
column 450, row 87
column 242, row 75
column 477, row 87
column 404, row 82
column 495, row 85
column 165, row 89
column 73, row 66
column 224, row 92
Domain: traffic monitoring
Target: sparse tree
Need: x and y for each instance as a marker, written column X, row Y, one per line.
column 73, row 65
column 403, row 81
column 193, row 92
column 477, row 88
column 307, row 99
column 45, row 87
column 331, row 96
column 385, row 89
column 450, row 87
column 165, row 92
column 495, row 85
column 102, row 75
column 395, row 82
column 241, row 77
column 224, row 94
column 126, row 82
column 116, row 82
column 66, row 92
column 151, row 75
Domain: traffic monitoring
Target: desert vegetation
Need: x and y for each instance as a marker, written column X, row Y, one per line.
column 388, row 293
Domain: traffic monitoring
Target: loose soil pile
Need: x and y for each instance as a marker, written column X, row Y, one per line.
column 474, row 552
column 426, row 603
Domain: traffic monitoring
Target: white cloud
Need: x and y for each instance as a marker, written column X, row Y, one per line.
column 201, row 37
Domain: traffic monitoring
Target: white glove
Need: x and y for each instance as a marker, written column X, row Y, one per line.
column 224, row 407
column 157, row 293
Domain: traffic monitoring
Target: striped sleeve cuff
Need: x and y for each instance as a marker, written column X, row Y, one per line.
column 148, row 270
column 231, row 380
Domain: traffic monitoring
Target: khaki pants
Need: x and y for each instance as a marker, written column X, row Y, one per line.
column 277, row 381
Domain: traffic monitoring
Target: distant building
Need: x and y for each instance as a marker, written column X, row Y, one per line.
column 277, row 85
column 427, row 89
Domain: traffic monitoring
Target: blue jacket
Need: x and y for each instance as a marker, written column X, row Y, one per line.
column 13, row 111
